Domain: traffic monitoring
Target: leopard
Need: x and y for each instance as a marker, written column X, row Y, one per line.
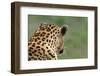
column 47, row 42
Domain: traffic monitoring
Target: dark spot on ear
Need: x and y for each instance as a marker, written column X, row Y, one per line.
column 63, row 30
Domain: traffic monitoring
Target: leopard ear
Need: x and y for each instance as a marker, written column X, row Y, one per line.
column 64, row 30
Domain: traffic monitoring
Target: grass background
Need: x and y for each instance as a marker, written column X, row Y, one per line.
column 75, row 40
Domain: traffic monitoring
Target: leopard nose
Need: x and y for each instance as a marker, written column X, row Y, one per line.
column 61, row 51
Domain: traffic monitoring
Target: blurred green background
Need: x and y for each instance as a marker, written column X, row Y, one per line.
column 75, row 40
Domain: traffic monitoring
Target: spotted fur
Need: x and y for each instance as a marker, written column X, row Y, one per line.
column 46, row 42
